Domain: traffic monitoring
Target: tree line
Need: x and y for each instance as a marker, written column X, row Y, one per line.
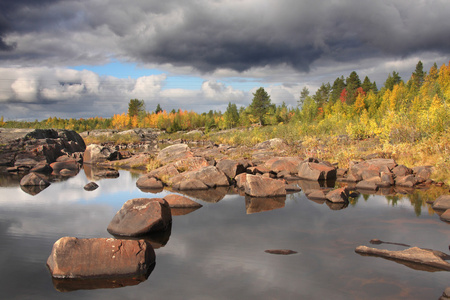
column 400, row 110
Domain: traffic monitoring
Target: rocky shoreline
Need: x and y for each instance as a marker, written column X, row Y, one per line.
column 264, row 174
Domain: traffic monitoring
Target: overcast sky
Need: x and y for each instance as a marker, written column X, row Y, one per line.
column 88, row 58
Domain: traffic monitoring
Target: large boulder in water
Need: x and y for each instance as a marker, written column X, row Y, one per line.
column 100, row 258
column 442, row 202
column 141, row 216
column 259, row 186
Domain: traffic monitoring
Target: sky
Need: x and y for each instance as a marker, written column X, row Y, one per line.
column 86, row 58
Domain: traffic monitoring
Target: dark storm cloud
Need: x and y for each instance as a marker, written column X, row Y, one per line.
column 209, row 35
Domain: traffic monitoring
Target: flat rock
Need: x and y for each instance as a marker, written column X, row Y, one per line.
column 174, row 153
column 146, row 182
column 419, row 256
column 178, row 201
column 258, row 186
column 141, row 216
column 442, row 202
column 100, row 258
column 190, row 185
column 369, row 184
column 210, row 176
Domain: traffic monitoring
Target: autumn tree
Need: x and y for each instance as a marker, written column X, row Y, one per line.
column 336, row 89
column 260, row 104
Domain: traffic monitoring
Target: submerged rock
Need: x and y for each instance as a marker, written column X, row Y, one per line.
column 423, row 258
column 281, row 251
column 100, row 258
column 141, row 216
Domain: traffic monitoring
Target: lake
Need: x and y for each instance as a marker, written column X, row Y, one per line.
column 218, row 251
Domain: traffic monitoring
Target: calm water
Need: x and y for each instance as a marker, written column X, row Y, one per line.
column 217, row 251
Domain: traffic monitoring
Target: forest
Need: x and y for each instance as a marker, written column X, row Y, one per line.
column 398, row 112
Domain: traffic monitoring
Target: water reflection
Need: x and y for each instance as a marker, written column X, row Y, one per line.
column 257, row 205
column 217, row 252
column 70, row 285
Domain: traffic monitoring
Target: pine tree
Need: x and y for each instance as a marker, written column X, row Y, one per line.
column 260, row 104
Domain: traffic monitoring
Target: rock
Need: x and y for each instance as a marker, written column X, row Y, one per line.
column 401, row 170
column 149, row 183
column 338, row 195
column 407, row 181
column 387, row 179
column 359, row 170
column 369, row 184
column 174, row 153
column 33, row 179
column 316, row 171
column 108, row 173
column 27, row 163
column 91, row 186
column 423, row 172
column 190, row 185
column 445, row 294
column 231, row 168
column 100, row 258
column 70, row 165
column 292, row 187
column 141, row 216
column 257, row 170
column 164, row 173
column 178, row 201
column 210, row 176
column 240, row 180
column 415, row 255
column 287, row 164
column 258, row 186
column 95, row 154
column 317, row 195
column 191, row 164
column 281, row 251
column 42, row 167
column 442, row 203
